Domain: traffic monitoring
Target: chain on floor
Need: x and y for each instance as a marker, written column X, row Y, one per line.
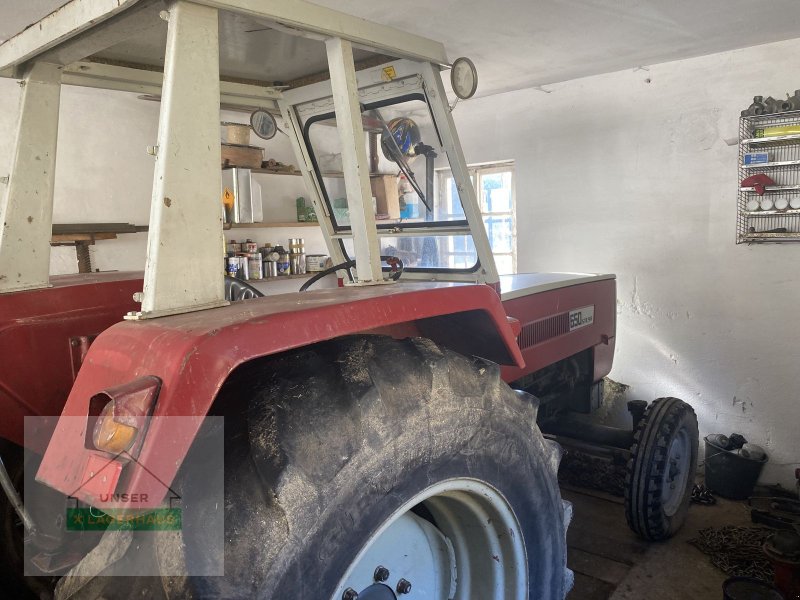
column 736, row 550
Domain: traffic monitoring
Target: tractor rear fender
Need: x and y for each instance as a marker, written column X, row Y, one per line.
column 193, row 354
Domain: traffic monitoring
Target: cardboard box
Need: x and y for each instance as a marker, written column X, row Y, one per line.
column 387, row 200
column 246, row 157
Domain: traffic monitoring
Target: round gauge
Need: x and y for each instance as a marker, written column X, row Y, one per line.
column 263, row 124
column 464, row 78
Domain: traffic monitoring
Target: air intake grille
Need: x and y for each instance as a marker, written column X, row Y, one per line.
column 542, row 330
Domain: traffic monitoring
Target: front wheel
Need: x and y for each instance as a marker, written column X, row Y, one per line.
column 368, row 467
column 660, row 473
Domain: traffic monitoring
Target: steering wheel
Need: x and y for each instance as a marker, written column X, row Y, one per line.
column 395, row 268
column 236, row 289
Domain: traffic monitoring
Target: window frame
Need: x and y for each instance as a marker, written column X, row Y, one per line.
column 476, row 172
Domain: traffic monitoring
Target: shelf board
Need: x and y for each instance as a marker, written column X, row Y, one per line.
column 771, row 213
column 794, row 137
column 773, row 188
column 771, row 236
column 276, row 172
column 296, row 172
column 279, row 278
column 270, row 225
column 781, row 163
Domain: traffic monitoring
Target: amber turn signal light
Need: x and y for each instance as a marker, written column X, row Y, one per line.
column 126, row 409
column 110, row 435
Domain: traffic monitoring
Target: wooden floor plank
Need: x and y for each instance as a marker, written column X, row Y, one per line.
column 589, row 588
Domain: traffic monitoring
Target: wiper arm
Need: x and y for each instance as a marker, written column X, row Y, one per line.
column 397, row 156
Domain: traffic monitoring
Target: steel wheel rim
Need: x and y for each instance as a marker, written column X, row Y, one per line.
column 676, row 473
column 476, row 548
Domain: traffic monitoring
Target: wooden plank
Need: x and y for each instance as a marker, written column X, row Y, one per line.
column 588, row 588
column 599, row 527
column 68, row 238
column 597, row 566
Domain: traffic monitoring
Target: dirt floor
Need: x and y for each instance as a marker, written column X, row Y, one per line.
column 611, row 563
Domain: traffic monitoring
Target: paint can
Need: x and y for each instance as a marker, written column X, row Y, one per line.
column 255, row 266
column 316, row 263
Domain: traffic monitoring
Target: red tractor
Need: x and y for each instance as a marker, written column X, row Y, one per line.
column 175, row 434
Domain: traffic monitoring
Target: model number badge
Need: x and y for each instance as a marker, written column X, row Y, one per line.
column 581, row 317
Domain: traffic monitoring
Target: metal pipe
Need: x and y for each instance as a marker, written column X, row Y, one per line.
column 569, row 426
column 15, row 500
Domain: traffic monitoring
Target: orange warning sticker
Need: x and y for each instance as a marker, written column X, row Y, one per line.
column 227, row 197
column 388, row 73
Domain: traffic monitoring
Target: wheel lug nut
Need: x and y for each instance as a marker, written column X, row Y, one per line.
column 381, row 574
column 350, row 594
column 403, row 586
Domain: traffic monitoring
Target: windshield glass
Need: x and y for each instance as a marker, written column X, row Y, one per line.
column 404, row 153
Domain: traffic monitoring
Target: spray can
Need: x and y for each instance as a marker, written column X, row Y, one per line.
column 283, row 260
column 232, row 268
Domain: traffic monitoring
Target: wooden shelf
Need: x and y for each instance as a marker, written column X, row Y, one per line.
column 276, row 172
column 271, row 225
column 279, row 278
column 297, row 173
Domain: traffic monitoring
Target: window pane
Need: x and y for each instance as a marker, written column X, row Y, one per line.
column 496, row 192
column 505, row 264
column 397, row 191
column 500, row 232
column 427, row 252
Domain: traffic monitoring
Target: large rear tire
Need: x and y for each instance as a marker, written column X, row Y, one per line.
column 331, row 447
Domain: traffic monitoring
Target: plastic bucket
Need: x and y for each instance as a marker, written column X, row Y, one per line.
column 746, row 588
column 730, row 475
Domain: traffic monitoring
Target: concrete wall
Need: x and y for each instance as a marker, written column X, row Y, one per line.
column 630, row 173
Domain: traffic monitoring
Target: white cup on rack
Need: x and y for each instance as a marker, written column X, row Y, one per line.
column 752, row 205
column 781, row 204
column 766, row 203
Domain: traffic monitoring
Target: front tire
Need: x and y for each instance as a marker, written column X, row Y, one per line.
column 660, row 472
column 342, row 441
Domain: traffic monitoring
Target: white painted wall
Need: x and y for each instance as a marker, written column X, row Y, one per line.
column 618, row 174
column 103, row 174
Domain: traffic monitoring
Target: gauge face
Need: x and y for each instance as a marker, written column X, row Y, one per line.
column 263, row 124
column 464, row 78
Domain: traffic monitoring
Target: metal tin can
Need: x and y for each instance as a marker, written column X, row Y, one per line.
column 233, row 246
column 270, row 269
column 232, row 266
column 283, row 264
column 244, row 266
column 250, row 247
column 316, row 262
column 297, row 264
column 255, row 266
